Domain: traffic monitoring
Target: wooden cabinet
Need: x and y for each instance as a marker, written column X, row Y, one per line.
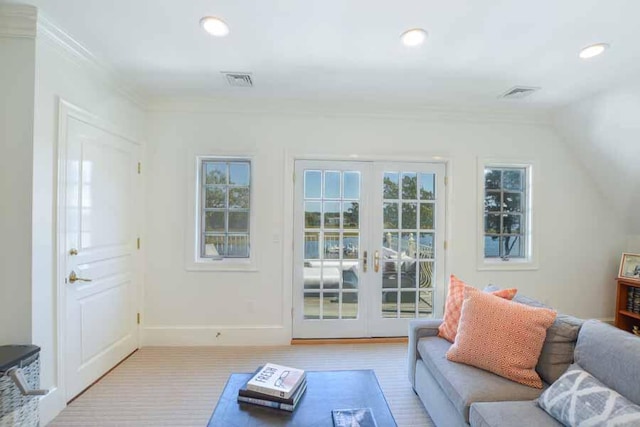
column 626, row 319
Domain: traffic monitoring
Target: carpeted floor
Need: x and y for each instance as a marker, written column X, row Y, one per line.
column 179, row 386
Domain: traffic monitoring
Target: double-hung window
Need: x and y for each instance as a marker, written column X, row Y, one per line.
column 224, row 208
column 221, row 214
column 506, row 227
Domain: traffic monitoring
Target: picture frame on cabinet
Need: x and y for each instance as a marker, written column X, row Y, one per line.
column 630, row 267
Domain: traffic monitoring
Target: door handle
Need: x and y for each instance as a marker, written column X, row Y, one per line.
column 364, row 262
column 376, row 261
column 74, row 278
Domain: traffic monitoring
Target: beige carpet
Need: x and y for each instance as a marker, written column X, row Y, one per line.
column 179, row 386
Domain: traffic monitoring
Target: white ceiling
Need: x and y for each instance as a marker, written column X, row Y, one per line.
column 350, row 49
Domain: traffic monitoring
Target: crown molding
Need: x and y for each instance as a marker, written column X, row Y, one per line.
column 18, row 20
column 83, row 57
column 338, row 108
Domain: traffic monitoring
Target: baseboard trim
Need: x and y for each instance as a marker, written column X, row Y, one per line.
column 191, row 336
column 315, row 341
column 51, row 405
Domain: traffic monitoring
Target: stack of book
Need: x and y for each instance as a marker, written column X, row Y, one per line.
column 274, row 386
column 633, row 300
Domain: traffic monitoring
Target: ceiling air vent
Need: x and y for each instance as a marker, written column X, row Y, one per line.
column 519, row 92
column 238, row 79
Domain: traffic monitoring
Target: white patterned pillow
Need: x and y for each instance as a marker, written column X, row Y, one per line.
column 578, row 399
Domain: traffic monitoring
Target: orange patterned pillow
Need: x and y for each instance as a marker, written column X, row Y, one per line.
column 501, row 336
column 453, row 305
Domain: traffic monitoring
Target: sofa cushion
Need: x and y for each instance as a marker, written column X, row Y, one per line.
column 612, row 356
column 559, row 344
column 558, row 348
column 509, row 414
column 453, row 305
column 463, row 384
column 578, row 398
column 501, row 336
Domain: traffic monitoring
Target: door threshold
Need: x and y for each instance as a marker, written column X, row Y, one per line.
column 323, row 341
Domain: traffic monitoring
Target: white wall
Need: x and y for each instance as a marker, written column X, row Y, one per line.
column 633, row 244
column 17, row 58
column 579, row 243
column 61, row 74
column 604, row 133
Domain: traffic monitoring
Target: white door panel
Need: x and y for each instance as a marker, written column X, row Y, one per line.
column 100, row 206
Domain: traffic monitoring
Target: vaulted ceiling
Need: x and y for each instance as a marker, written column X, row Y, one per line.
column 476, row 50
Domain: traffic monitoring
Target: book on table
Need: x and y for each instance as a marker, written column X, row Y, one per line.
column 255, row 398
column 358, row 417
column 276, row 380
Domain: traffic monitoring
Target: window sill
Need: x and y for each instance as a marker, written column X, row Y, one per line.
column 511, row 265
column 222, row 266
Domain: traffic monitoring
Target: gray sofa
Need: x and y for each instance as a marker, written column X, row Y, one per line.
column 455, row 394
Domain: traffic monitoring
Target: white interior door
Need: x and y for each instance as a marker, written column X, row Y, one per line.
column 368, row 247
column 98, row 249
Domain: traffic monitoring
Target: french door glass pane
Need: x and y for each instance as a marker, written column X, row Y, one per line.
column 390, row 212
column 409, row 186
column 351, row 185
column 349, row 305
column 390, row 305
column 425, row 304
column 312, row 184
column 351, row 214
column 427, row 186
column 312, row 214
column 407, row 304
column 312, row 305
column 332, row 185
column 311, row 245
column 390, row 185
column 330, row 305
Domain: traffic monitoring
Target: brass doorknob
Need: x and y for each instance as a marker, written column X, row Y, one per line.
column 73, row 251
column 74, row 278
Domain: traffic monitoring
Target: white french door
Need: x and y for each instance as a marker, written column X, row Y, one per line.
column 98, row 211
column 368, row 247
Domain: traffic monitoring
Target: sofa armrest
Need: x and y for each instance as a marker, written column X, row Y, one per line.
column 418, row 329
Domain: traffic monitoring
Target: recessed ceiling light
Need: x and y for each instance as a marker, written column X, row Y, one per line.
column 593, row 50
column 413, row 37
column 214, row 26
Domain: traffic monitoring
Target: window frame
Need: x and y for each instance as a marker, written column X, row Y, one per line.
column 529, row 261
column 194, row 261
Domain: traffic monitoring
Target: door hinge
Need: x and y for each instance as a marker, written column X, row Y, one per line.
column 445, row 245
column 292, row 313
column 294, row 177
column 446, row 180
column 139, row 168
column 138, row 318
column 138, row 243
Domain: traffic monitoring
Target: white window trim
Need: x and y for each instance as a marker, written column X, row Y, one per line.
column 193, row 260
column 497, row 264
